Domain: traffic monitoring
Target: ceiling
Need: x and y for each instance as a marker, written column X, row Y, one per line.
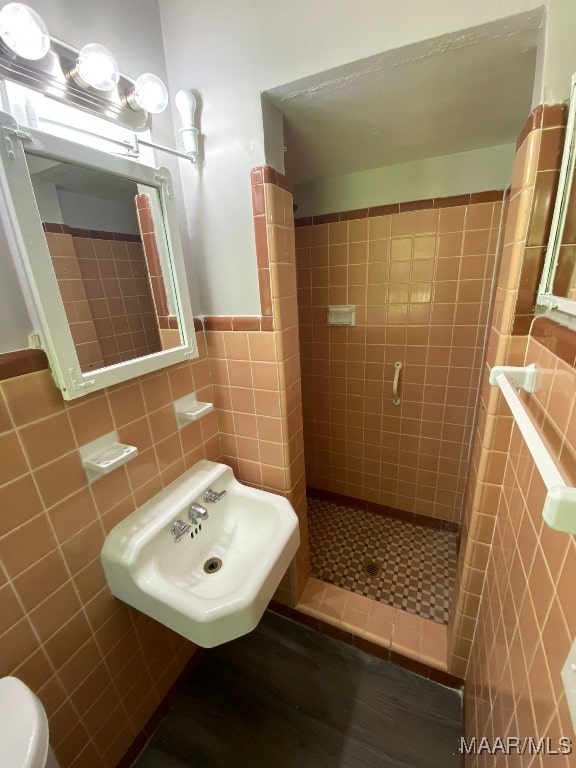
column 447, row 95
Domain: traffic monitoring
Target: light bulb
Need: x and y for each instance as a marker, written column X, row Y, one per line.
column 149, row 93
column 185, row 102
column 97, row 68
column 23, row 31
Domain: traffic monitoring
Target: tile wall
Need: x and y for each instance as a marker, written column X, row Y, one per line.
column 420, row 276
column 256, row 372
column 166, row 321
column 513, row 621
column 526, row 227
column 99, row 668
column 527, row 620
column 105, row 288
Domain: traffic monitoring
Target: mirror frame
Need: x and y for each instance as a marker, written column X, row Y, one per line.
column 546, row 300
column 36, row 272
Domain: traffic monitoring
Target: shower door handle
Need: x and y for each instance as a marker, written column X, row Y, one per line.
column 397, row 368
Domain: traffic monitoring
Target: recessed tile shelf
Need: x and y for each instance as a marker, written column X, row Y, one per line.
column 105, row 454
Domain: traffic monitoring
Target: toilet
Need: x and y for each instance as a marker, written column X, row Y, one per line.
column 23, row 728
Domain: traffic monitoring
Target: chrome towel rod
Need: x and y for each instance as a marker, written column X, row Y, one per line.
column 559, row 510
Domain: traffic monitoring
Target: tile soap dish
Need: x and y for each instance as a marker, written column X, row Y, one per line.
column 105, row 454
column 189, row 409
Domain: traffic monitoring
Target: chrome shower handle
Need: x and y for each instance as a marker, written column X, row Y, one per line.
column 397, row 368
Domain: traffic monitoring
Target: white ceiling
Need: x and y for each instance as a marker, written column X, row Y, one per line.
column 445, row 96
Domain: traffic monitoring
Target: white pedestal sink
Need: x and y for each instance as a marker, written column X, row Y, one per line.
column 214, row 584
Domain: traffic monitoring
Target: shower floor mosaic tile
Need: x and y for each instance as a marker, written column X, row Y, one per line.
column 408, row 566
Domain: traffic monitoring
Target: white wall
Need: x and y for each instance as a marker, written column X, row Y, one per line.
column 232, row 51
column 131, row 29
column 47, row 202
column 476, row 171
column 229, row 52
column 107, row 215
column 559, row 59
column 61, row 206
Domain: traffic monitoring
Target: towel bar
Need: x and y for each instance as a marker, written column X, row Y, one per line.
column 559, row 510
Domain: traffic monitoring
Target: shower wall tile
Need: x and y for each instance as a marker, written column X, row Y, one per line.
column 420, row 280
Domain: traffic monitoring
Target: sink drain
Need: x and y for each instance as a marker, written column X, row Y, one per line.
column 212, row 565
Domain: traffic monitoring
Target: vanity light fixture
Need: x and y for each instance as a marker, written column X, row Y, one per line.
column 23, row 32
column 96, row 68
column 88, row 79
column 149, row 93
column 185, row 102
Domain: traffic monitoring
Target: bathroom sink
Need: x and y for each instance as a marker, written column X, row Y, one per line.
column 214, row 583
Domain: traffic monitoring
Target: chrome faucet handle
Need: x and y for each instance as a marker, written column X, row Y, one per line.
column 213, row 496
column 197, row 513
column 179, row 530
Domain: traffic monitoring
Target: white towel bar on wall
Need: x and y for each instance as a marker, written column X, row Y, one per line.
column 559, row 510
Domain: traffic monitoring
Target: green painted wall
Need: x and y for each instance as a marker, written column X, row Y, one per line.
column 476, row 171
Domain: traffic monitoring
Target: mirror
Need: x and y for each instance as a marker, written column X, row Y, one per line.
column 558, row 284
column 102, row 260
column 100, row 233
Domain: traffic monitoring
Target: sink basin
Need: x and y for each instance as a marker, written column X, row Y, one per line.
column 215, row 583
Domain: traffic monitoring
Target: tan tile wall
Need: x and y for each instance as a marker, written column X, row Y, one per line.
column 527, row 619
column 75, row 300
column 107, row 296
column 545, row 144
column 154, row 272
column 421, row 283
column 512, row 622
column 260, row 423
column 117, row 285
column 256, row 377
column 527, row 223
column 99, row 668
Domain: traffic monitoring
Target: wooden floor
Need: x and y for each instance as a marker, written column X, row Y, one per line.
column 288, row 697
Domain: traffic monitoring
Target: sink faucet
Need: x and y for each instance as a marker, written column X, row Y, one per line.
column 179, row 530
column 197, row 513
column 213, row 496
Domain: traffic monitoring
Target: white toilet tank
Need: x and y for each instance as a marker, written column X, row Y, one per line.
column 23, row 728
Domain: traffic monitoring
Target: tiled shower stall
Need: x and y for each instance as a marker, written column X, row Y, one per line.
column 386, row 482
column 420, row 276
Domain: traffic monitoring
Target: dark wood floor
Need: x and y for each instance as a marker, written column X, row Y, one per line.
column 288, row 697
